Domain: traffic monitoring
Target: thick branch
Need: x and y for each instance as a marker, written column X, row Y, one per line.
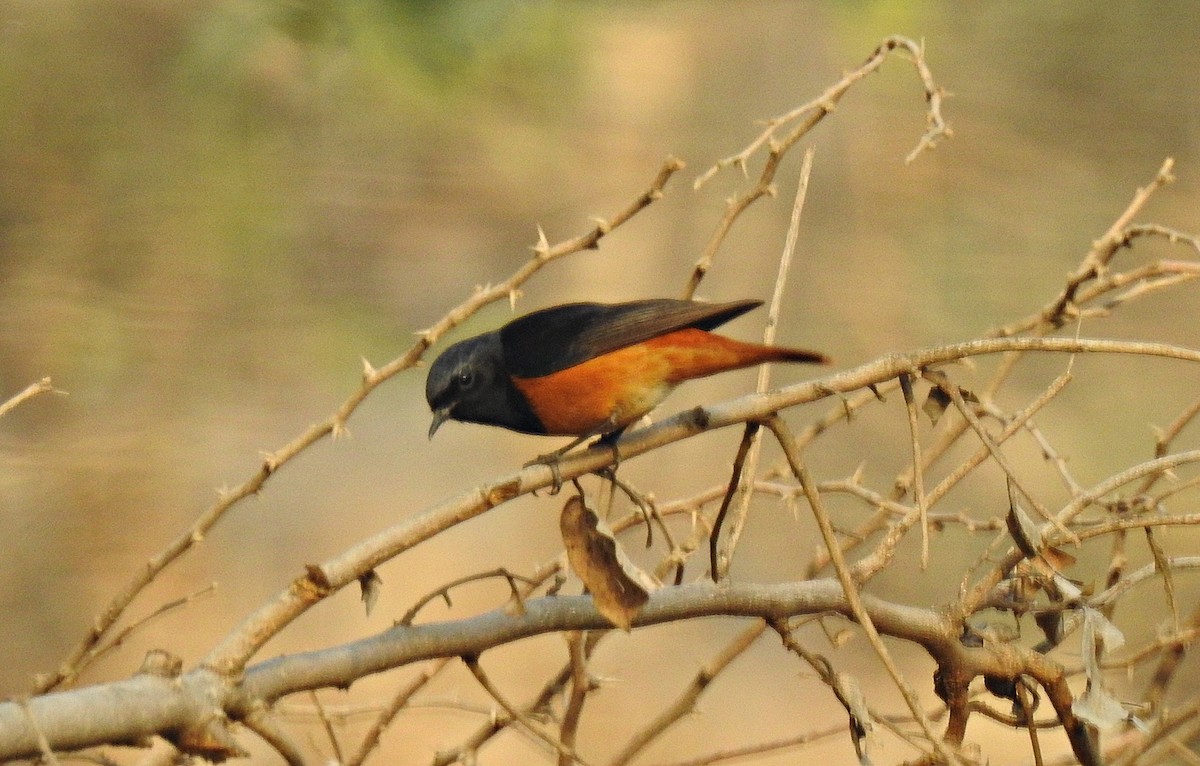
column 127, row 710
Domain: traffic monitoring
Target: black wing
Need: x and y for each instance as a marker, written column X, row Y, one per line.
column 556, row 338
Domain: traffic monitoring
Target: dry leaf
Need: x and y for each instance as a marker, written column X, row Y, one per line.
column 619, row 589
column 1028, row 537
column 1097, row 705
column 935, row 405
column 850, row 695
column 1024, row 532
column 371, row 585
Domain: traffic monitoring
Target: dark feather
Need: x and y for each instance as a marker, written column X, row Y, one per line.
column 554, row 339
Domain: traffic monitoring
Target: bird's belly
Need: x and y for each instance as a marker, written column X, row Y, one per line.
column 601, row 394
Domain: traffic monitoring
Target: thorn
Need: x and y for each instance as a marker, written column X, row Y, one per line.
column 856, row 477
column 603, row 226
column 542, row 248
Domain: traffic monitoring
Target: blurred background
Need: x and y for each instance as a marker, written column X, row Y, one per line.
column 211, row 211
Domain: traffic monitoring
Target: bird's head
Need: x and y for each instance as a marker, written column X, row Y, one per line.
column 469, row 382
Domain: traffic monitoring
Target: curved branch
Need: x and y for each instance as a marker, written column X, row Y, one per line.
column 146, row 704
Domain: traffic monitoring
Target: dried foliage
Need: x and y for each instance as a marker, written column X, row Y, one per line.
column 1053, row 685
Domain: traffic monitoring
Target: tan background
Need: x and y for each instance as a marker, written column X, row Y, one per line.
column 210, row 211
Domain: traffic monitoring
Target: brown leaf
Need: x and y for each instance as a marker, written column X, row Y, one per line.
column 371, row 585
column 935, row 404
column 619, row 589
column 1058, row 558
column 1024, row 531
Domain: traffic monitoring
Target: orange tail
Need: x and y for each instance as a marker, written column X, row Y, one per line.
column 696, row 354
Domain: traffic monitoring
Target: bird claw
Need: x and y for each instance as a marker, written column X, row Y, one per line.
column 551, row 461
column 610, row 440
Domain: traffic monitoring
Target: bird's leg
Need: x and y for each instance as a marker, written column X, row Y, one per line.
column 551, row 460
column 608, row 436
column 610, row 440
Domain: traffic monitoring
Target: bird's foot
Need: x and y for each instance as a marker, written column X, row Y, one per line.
column 550, row 460
column 610, row 440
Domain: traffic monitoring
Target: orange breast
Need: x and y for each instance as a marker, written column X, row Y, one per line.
column 615, row 389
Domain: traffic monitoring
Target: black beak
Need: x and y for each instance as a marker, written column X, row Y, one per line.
column 439, row 416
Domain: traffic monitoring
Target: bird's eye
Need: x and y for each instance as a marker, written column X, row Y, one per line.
column 465, row 379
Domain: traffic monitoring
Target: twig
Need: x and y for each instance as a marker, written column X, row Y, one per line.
column 1167, row 435
column 552, row 688
column 750, row 470
column 1180, row 639
column 647, row 507
column 1168, row 664
column 1051, row 454
column 827, row 101
column 997, row 454
column 397, row 703
column 859, row 717
column 116, row 641
column 580, row 686
column 1026, row 705
column 1140, row 575
column 813, row 112
column 43, row 744
column 1165, row 463
column 870, row 565
column 472, row 663
column 327, row 725
column 1117, row 236
column 500, row 721
column 978, row 593
column 443, row 591
column 261, row 722
column 685, row 703
column 1162, row 731
column 739, row 470
column 910, row 408
column 33, row 389
column 761, row 748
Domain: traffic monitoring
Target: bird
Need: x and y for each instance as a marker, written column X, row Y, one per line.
column 589, row 369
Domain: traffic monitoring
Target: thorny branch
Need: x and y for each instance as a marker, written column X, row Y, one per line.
column 813, row 113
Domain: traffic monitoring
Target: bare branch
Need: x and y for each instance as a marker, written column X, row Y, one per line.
column 813, row 113
column 685, row 703
column 33, row 389
column 853, row 598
